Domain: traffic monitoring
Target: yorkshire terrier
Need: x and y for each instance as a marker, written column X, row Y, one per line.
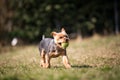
column 52, row 48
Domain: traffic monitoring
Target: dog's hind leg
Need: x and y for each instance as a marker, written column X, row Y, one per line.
column 42, row 62
column 47, row 61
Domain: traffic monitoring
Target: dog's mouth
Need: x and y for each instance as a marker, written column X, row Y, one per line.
column 60, row 44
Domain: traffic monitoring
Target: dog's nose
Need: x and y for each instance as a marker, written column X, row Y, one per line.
column 67, row 40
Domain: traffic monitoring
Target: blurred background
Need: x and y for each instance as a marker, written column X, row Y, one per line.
column 28, row 20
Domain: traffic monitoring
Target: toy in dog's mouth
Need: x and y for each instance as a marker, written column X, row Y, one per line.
column 64, row 45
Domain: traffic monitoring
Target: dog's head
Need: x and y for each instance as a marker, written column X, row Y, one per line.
column 60, row 37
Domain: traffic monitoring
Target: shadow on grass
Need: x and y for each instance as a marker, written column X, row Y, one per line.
column 82, row 66
column 75, row 66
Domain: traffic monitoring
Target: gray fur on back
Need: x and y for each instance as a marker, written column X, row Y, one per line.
column 47, row 44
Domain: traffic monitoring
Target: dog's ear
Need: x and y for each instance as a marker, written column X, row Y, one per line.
column 63, row 31
column 53, row 33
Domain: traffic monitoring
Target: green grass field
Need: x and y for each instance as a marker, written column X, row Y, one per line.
column 96, row 58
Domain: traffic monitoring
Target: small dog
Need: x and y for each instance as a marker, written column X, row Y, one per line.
column 51, row 48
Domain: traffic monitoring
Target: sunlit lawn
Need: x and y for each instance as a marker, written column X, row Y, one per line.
column 96, row 58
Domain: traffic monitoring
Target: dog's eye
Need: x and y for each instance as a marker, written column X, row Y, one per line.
column 66, row 36
column 61, row 37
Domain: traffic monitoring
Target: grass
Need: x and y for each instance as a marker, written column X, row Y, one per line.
column 97, row 58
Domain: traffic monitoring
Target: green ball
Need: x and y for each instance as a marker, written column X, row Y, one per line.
column 65, row 45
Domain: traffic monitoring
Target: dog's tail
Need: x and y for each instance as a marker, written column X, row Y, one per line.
column 43, row 36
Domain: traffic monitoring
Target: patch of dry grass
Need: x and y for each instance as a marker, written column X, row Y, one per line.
column 91, row 59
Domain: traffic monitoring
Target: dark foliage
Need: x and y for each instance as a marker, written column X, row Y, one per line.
column 30, row 19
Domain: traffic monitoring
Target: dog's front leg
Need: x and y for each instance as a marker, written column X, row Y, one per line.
column 66, row 62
